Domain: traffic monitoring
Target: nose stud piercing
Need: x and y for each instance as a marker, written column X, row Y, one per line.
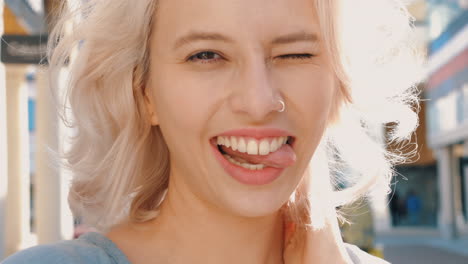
column 283, row 106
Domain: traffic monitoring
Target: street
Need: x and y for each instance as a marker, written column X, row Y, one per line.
column 412, row 254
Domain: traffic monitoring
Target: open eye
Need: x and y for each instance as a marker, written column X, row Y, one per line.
column 205, row 57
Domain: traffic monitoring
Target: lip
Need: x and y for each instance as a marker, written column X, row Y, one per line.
column 241, row 174
column 246, row 176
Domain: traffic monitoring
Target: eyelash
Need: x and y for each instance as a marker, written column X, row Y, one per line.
column 302, row 56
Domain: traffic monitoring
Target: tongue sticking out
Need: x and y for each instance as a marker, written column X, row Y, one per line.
column 281, row 158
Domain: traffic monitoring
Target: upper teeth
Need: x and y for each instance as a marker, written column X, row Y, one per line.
column 252, row 146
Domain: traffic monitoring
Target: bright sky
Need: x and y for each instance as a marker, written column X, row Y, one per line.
column 37, row 5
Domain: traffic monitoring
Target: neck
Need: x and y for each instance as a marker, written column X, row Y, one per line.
column 197, row 232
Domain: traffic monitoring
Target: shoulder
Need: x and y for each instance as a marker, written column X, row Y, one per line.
column 359, row 256
column 91, row 249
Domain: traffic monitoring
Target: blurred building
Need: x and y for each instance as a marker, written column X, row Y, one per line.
column 430, row 195
column 447, row 110
column 33, row 205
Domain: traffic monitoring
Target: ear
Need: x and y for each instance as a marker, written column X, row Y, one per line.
column 153, row 118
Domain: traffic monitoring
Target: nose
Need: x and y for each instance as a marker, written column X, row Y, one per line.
column 254, row 94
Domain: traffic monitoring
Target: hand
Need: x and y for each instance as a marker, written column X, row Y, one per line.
column 313, row 246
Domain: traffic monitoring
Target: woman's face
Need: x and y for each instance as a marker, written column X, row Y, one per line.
column 219, row 68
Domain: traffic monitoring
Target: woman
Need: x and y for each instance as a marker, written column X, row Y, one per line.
column 217, row 131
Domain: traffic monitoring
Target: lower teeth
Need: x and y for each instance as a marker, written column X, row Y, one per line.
column 244, row 165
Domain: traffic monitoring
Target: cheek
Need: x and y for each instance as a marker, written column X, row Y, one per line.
column 311, row 94
column 184, row 107
column 179, row 104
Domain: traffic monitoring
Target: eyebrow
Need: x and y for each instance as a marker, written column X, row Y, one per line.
column 300, row 36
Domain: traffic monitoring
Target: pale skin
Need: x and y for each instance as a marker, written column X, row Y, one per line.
column 219, row 65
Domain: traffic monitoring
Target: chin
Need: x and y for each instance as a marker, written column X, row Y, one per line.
column 255, row 203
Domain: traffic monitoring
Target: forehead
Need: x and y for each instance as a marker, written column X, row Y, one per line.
column 238, row 18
